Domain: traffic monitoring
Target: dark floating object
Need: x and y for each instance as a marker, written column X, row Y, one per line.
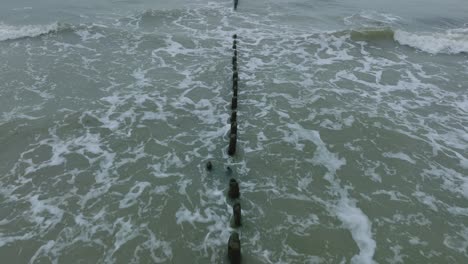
column 235, row 53
column 234, row 61
column 234, row 248
column 234, row 128
column 233, row 192
column 234, row 46
column 235, row 42
column 232, row 144
column 236, row 212
column 235, row 76
column 234, row 36
column 228, row 170
column 234, row 103
column 233, row 117
column 209, row 166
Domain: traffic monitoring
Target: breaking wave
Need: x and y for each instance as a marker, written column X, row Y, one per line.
column 8, row 32
column 452, row 41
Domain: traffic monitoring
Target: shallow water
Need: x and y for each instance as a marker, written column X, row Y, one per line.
column 352, row 117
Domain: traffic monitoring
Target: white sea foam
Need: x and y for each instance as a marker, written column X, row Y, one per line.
column 132, row 196
column 8, row 32
column 458, row 242
column 451, row 42
column 370, row 18
column 417, row 241
column 394, row 195
column 426, row 199
column 352, row 217
column 399, row 155
column 360, row 226
column 44, row 213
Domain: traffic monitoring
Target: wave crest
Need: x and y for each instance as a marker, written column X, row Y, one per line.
column 452, row 41
column 9, row 32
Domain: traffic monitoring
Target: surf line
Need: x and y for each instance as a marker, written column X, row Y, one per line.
column 234, row 244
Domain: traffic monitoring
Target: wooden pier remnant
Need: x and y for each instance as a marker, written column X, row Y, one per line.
column 236, row 213
column 234, row 191
column 234, row 248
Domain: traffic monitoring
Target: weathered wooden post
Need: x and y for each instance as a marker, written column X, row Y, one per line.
column 233, row 192
column 234, row 248
column 234, row 128
column 234, row 103
column 232, row 144
column 233, row 117
column 209, row 166
column 236, row 212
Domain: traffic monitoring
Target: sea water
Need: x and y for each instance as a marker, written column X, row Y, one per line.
column 352, row 144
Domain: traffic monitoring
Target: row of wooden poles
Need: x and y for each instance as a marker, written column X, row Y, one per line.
column 234, row 246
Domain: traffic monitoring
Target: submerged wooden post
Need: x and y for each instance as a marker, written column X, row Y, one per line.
column 209, row 166
column 233, row 192
column 232, row 144
column 234, row 103
column 235, row 76
column 234, row 248
column 233, row 128
column 236, row 212
column 233, row 117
